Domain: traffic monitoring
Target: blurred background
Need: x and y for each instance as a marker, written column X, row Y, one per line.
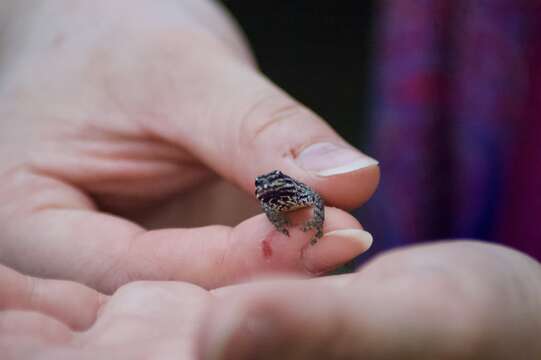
column 445, row 94
column 318, row 51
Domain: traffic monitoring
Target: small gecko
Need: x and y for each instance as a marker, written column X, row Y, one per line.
column 280, row 194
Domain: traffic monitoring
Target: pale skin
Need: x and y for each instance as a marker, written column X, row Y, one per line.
column 117, row 137
column 120, row 119
column 467, row 301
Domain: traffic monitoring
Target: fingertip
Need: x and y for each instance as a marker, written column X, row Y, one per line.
column 349, row 190
column 335, row 248
column 331, row 158
column 34, row 325
column 72, row 303
column 261, row 248
column 75, row 304
column 343, row 175
column 346, row 183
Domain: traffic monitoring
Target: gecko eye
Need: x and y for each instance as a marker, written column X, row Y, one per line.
column 261, row 183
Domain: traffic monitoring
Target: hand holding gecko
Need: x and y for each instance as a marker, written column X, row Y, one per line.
column 120, row 123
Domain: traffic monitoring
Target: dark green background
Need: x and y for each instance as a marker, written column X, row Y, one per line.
column 318, row 51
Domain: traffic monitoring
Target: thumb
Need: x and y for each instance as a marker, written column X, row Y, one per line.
column 242, row 126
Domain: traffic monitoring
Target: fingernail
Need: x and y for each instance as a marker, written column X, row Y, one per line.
column 328, row 159
column 336, row 248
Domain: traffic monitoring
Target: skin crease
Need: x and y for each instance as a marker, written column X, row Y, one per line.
column 398, row 306
column 116, row 140
column 116, row 116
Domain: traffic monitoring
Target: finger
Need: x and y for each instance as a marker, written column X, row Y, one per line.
column 215, row 256
column 253, row 287
column 55, row 233
column 71, row 303
column 318, row 321
column 104, row 252
column 242, row 126
column 315, row 319
column 168, row 311
column 411, row 304
column 281, row 320
column 33, row 325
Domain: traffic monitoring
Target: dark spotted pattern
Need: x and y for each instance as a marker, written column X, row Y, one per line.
column 279, row 194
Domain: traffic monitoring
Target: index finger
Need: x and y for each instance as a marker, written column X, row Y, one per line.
column 66, row 238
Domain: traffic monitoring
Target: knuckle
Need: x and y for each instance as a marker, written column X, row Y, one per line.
column 269, row 117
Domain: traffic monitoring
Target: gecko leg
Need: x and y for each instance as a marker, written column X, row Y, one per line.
column 317, row 220
column 278, row 219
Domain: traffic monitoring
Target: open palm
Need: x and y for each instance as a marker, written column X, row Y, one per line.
column 456, row 300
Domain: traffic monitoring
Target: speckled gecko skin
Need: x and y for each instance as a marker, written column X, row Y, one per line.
column 280, row 194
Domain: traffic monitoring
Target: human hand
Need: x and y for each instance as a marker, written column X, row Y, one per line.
column 456, row 300
column 116, row 119
column 459, row 300
column 54, row 319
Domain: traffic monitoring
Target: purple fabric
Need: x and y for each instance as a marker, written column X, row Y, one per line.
column 457, row 122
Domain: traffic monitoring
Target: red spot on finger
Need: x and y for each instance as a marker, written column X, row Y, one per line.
column 266, row 248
